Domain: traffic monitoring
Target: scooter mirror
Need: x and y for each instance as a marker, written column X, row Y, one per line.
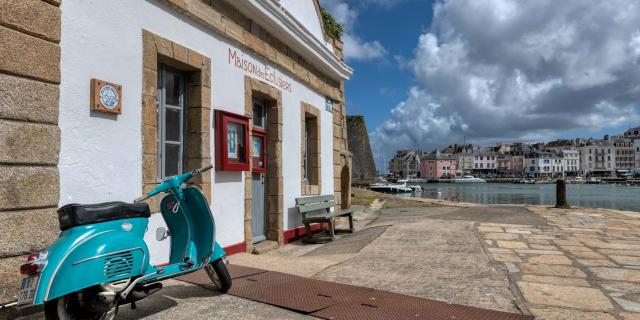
column 161, row 234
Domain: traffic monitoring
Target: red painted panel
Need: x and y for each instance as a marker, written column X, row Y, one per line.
column 298, row 233
column 235, row 248
column 222, row 121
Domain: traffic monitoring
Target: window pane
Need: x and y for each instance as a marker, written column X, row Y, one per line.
column 259, row 115
column 172, row 86
column 171, row 160
column 172, row 129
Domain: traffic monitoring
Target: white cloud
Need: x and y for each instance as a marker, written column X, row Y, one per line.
column 498, row 70
column 354, row 47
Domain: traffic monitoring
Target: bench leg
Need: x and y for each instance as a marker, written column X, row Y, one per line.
column 351, row 222
column 307, row 229
column 332, row 231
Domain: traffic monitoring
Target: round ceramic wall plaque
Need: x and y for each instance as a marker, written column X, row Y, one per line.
column 106, row 96
column 109, row 97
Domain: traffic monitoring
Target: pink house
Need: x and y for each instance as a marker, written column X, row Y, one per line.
column 438, row 166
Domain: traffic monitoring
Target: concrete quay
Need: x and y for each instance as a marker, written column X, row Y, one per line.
column 556, row 264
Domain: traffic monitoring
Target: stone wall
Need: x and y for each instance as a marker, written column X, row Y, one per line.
column 29, row 133
column 364, row 166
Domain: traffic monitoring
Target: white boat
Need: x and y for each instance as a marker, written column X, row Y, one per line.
column 468, row 179
column 414, row 187
column 390, row 188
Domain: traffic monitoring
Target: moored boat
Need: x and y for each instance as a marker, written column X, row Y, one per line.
column 390, row 188
column 469, row 179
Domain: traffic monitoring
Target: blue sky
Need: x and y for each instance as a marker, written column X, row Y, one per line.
column 429, row 74
column 378, row 85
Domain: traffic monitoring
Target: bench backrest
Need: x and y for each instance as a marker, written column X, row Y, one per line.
column 315, row 203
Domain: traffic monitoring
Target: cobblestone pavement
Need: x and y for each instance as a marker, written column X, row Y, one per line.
column 583, row 264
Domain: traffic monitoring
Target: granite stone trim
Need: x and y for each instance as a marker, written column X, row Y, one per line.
column 29, row 135
column 157, row 49
column 30, row 57
column 34, row 17
column 342, row 158
column 314, row 185
column 274, row 182
column 25, row 142
column 223, row 18
column 28, row 100
column 38, row 224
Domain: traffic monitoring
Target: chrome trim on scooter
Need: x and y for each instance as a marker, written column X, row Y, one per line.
column 66, row 255
column 110, row 253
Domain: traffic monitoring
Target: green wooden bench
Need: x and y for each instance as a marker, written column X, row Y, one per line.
column 317, row 209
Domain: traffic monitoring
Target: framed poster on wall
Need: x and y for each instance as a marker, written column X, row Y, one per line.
column 258, row 151
column 232, row 141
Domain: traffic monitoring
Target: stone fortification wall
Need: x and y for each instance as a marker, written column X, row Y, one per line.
column 364, row 166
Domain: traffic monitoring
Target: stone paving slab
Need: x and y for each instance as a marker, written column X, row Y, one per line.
column 581, row 264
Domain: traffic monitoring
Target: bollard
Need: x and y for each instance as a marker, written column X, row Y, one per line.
column 561, row 194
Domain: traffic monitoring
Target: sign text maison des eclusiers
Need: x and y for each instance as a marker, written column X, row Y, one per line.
column 259, row 70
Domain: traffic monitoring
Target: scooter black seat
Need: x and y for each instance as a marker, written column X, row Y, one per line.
column 73, row 215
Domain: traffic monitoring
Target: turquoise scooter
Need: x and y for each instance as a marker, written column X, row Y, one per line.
column 100, row 260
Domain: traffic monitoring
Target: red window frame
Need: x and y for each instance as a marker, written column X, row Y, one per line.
column 259, row 133
column 223, row 163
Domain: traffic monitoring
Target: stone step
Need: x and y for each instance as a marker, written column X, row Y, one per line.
column 264, row 247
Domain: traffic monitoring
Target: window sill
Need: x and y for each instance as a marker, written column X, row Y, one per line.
column 310, row 189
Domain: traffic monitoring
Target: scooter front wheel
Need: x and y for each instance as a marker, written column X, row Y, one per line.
column 77, row 306
column 219, row 275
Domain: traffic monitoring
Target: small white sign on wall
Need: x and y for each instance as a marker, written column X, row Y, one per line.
column 328, row 104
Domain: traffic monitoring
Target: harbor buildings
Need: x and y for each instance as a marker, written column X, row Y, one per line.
column 625, row 155
column 539, row 164
column 510, row 165
column 634, row 134
column 618, row 156
column 597, row 157
column 406, row 164
column 570, row 161
column 485, row 161
column 439, row 166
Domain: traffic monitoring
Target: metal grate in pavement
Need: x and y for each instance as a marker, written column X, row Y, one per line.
column 336, row 301
column 201, row 278
column 237, row 271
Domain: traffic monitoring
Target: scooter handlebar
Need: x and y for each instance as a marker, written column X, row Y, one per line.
column 172, row 183
column 201, row 170
column 141, row 198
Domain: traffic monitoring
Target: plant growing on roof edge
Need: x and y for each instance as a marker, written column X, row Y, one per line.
column 333, row 27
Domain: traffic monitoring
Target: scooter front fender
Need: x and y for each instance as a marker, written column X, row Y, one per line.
column 90, row 255
column 218, row 252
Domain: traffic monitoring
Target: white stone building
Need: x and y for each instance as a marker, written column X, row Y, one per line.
column 625, row 155
column 485, row 162
column 570, row 162
column 597, row 157
column 540, row 164
column 102, row 99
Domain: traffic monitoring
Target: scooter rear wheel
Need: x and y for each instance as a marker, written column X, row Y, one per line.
column 219, row 275
column 74, row 306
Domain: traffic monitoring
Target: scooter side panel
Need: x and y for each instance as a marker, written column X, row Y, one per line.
column 201, row 224
column 178, row 226
column 90, row 255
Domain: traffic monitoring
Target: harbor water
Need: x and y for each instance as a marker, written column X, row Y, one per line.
column 580, row 195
